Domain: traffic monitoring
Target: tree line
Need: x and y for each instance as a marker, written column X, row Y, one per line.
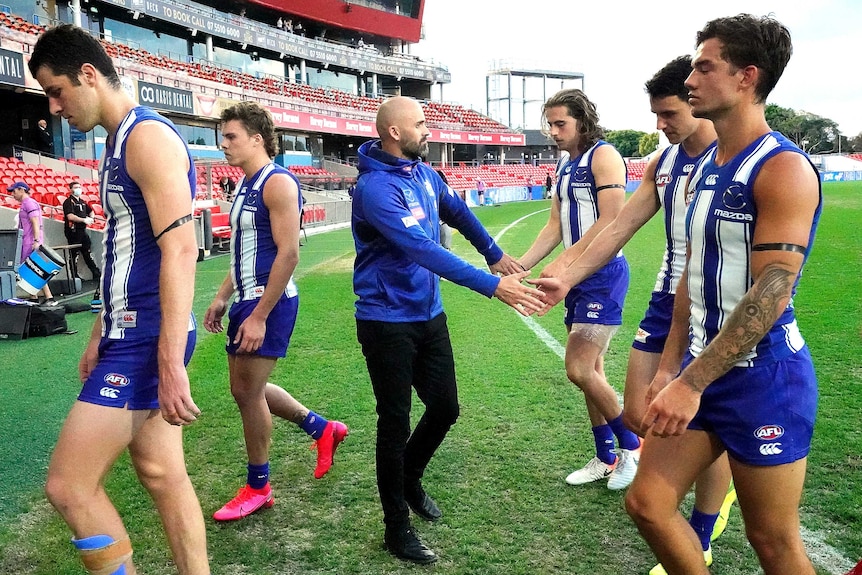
column 812, row 133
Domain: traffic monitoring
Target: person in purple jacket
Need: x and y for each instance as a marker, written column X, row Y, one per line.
column 398, row 204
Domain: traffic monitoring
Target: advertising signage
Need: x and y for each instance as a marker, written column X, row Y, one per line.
column 11, row 68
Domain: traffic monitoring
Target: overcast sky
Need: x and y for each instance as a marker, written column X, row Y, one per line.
column 619, row 44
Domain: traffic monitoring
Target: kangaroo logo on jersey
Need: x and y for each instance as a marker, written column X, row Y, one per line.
column 114, row 170
column 768, row 432
column 580, row 175
column 408, row 195
column 733, row 198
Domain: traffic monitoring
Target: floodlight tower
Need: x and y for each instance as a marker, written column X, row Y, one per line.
column 536, row 86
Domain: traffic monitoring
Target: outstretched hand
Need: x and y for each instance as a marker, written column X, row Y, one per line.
column 522, row 298
column 506, row 266
column 553, row 292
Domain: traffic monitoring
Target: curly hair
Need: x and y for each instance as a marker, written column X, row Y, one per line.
column 580, row 108
column 256, row 120
column 749, row 40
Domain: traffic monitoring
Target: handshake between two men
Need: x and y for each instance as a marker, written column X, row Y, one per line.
column 551, row 286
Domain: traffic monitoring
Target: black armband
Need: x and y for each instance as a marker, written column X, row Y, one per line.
column 606, row 186
column 177, row 223
column 779, row 247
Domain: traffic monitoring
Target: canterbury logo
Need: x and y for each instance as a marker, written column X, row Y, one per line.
column 711, row 179
column 771, row 449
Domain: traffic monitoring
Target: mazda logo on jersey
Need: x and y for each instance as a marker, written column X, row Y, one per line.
column 733, row 198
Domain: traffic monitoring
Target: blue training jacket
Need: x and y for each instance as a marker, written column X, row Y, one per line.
column 397, row 208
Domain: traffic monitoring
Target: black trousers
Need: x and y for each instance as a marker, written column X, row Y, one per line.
column 84, row 250
column 402, row 357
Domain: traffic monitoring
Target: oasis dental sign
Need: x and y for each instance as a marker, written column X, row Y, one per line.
column 165, row 98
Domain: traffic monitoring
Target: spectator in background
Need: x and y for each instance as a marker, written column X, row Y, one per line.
column 480, row 190
column 279, row 23
column 30, row 224
column 227, row 186
column 549, row 186
column 78, row 215
column 445, row 230
column 288, row 25
column 44, row 139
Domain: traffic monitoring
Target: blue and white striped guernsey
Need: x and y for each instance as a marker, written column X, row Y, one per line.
column 130, row 278
column 671, row 175
column 253, row 249
column 576, row 190
column 721, row 221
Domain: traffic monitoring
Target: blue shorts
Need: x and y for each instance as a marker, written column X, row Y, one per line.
column 279, row 325
column 653, row 329
column 127, row 374
column 764, row 415
column 599, row 299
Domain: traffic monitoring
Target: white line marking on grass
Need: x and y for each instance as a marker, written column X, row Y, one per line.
column 823, row 554
column 820, row 552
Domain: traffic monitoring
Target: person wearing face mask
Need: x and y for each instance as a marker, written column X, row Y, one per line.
column 78, row 215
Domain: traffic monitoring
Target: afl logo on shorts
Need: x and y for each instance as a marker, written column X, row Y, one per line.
column 595, row 306
column 768, row 432
column 116, row 379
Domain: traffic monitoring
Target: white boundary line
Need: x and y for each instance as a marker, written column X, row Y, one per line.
column 546, row 338
column 820, row 552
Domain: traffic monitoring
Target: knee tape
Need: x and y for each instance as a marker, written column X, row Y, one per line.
column 596, row 333
column 101, row 555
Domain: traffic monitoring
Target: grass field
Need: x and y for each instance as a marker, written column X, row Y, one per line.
column 499, row 475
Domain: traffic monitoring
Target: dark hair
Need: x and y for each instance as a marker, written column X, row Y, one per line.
column 64, row 49
column 670, row 80
column 749, row 40
column 580, row 108
column 74, row 183
column 256, row 120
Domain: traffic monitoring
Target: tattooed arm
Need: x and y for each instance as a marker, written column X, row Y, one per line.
column 786, row 193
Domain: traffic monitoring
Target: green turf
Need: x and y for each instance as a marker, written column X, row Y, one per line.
column 498, row 476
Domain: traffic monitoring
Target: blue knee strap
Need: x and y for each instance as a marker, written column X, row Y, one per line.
column 97, row 542
column 94, row 542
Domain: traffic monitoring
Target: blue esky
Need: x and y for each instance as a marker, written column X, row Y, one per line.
column 618, row 45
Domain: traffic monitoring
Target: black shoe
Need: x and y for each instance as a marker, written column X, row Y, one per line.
column 422, row 505
column 405, row 544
